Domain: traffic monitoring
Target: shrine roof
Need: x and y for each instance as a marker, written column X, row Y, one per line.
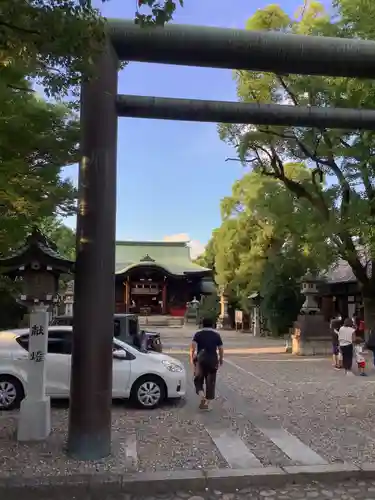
column 341, row 272
column 173, row 256
column 36, row 246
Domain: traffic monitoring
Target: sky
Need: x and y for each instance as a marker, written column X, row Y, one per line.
column 172, row 175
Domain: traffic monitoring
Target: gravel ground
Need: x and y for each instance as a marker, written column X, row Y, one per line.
column 167, row 439
column 174, row 440
column 329, row 412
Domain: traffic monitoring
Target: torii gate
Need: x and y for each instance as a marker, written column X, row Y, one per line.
column 91, row 396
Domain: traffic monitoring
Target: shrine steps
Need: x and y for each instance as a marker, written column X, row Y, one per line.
column 161, row 321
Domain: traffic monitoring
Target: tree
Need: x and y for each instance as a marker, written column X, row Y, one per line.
column 343, row 204
column 55, row 41
column 257, row 227
column 37, row 139
column 280, row 290
column 209, row 307
column 207, row 259
column 52, row 42
column 259, row 247
column 61, row 235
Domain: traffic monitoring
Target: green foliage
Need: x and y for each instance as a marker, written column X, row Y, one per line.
column 339, row 212
column 209, row 307
column 161, row 12
column 37, row 139
column 257, row 226
column 55, row 41
column 280, row 289
column 11, row 312
column 207, row 259
column 62, row 236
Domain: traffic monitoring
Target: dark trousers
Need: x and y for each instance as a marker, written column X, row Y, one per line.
column 347, row 356
column 205, row 376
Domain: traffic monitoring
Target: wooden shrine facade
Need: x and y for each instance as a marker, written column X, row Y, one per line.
column 158, row 278
column 340, row 293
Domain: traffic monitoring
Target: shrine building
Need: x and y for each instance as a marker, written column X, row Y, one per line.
column 158, row 278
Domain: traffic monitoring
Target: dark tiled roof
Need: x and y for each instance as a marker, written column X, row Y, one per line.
column 36, row 241
column 341, row 272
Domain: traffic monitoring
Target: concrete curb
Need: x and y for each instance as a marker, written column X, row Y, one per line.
column 142, row 483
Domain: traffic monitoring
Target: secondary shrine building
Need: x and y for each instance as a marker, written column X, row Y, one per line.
column 158, row 278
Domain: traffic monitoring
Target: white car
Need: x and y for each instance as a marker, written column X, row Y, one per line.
column 148, row 378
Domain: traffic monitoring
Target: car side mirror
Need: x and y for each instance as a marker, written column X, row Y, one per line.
column 119, row 354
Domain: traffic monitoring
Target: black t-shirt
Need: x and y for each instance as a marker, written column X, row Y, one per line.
column 208, row 340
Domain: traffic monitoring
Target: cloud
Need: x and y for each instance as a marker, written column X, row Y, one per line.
column 196, row 247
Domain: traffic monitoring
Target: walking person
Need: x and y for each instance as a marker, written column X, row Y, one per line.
column 346, row 337
column 335, row 326
column 206, row 355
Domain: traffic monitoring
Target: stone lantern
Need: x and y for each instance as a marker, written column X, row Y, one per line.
column 37, row 267
column 309, row 288
column 311, row 334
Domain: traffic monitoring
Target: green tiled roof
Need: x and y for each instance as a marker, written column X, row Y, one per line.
column 173, row 256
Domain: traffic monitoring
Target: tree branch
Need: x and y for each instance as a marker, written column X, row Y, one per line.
column 19, row 28
column 287, row 89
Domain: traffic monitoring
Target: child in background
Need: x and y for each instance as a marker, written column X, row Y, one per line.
column 359, row 358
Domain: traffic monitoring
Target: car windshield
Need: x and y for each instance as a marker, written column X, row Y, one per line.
column 124, row 345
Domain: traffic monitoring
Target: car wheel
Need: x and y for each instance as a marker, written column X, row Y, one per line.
column 149, row 392
column 11, row 393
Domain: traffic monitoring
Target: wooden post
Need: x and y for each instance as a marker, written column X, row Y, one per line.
column 89, row 435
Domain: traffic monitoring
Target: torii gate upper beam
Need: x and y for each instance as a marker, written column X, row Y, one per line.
column 243, row 49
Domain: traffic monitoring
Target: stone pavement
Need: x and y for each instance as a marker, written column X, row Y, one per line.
column 348, row 490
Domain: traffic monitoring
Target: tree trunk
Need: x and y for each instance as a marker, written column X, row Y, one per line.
column 369, row 312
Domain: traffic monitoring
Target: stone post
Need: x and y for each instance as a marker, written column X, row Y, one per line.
column 35, row 413
column 256, row 313
column 224, row 320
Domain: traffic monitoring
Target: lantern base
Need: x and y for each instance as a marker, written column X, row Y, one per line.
column 34, row 423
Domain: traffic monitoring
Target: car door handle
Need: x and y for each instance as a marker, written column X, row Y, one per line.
column 21, row 357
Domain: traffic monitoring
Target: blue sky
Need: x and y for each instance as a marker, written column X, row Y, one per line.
column 172, row 175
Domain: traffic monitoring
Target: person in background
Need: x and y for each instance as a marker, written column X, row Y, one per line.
column 346, row 338
column 359, row 325
column 335, row 325
column 370, row 344
column 206, row 355
column 359, row 358
column 361, row 328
